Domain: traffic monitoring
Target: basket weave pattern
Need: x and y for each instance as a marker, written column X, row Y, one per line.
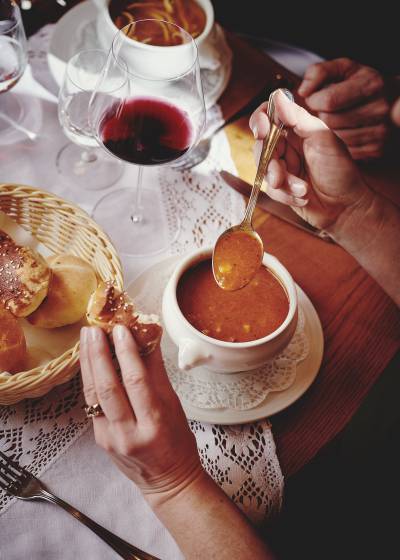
column 62, row 228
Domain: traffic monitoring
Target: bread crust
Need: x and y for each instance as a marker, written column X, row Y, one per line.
column 13, row 353
column 108, row 307
column 24, row 277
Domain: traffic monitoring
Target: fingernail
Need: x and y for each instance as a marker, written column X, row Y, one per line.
column 119, row 332
column 84, row 334
column 300, row 201
column 299, row 189
column 286, row 94
column 254, row 129
column 94, row 334
column 269, row 177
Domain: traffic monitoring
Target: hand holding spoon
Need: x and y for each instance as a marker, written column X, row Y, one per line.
column 238, row 251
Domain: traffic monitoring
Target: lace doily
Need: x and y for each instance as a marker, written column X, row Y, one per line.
column 241, row 391
column 37, row 432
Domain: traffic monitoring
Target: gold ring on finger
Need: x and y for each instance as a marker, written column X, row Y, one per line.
column 93, row 410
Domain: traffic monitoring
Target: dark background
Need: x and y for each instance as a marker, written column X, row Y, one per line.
column 365, row 31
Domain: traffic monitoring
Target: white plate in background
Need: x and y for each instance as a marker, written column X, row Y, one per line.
column 295, row 59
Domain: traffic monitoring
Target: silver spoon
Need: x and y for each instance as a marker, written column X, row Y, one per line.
column 239, row 250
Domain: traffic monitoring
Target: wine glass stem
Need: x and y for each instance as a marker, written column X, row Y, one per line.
column 88, row 156
column 136, row 209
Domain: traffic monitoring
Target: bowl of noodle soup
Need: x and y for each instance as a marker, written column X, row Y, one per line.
column 196, row 17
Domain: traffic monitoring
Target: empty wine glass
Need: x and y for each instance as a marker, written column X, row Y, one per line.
column 13, row 60
column 148, row 109
column 82, row 162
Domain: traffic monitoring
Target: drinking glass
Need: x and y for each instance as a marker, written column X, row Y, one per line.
column 13, row 60
column 82, row 162
column 148, row 110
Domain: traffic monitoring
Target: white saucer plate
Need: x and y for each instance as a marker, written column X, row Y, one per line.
column 76, row 31
column 153, row 281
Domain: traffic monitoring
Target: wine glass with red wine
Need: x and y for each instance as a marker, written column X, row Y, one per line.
column 13, row 60
column 148, row 109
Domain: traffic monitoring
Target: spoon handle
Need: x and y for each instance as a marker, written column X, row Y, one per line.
column 266, row 154
column 268, row 148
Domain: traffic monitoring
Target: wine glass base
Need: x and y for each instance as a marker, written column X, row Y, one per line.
column 145, row 237
column 88, row 168
column 11, row 112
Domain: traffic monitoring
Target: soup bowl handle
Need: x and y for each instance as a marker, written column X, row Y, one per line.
column 191, row 354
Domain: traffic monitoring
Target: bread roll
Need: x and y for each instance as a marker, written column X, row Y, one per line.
column 108, row 306
column 72, row 283
column 24, row 277
column 12, row 343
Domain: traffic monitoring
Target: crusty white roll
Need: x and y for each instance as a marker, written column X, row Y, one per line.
column 13, row 354
column 108, row 307
column 24, row 277
column 72, row 283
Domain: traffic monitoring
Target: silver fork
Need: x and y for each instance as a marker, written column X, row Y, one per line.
column 22, row 484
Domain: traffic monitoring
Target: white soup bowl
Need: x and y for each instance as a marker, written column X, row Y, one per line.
column 196, row 348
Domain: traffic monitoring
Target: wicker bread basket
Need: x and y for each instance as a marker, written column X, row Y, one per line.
column 62, row 228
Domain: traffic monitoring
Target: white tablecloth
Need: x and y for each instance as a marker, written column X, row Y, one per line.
column 59, row 446
column 85, row 477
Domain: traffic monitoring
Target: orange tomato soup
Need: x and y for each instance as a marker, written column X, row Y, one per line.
column 188, row 14
column 240, row 316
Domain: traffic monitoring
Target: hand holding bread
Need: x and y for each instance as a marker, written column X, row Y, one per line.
column 109, row 307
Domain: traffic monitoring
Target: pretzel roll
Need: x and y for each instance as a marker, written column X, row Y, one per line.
column 108, row 307
column 24, row 277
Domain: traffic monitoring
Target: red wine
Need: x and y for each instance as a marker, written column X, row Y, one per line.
column 146, row 131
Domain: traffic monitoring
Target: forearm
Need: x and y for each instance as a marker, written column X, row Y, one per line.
column 206, row 524
column 371, row 234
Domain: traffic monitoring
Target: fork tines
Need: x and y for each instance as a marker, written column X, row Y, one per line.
column 11, row 474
